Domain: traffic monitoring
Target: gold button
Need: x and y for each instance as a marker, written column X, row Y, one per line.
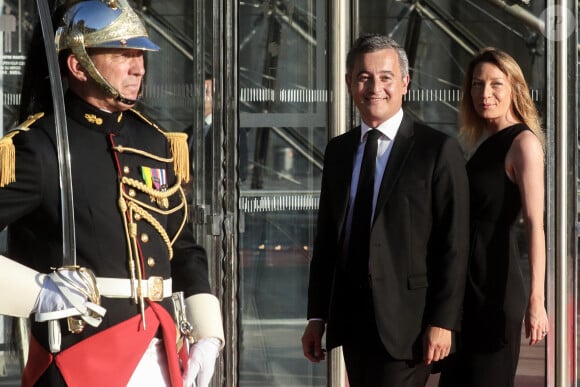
column 137, row 217
column 144, row 238
column 126, row 170
column 150, row 262
column 132, row 193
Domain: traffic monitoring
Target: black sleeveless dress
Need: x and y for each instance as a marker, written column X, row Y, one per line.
column 495, row 296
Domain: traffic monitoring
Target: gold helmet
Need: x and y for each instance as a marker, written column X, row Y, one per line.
column 102, row 24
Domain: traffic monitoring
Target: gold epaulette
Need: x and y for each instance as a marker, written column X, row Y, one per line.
column 180, row 151
column 179, row 148
column 8, row 152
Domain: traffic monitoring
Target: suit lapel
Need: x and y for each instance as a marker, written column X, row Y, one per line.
column 399, row 153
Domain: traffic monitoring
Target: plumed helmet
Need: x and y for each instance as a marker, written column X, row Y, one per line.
column 105, row 24
column 102, row 24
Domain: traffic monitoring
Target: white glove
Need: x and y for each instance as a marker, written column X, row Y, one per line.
column 201, row 363
column 68, row 292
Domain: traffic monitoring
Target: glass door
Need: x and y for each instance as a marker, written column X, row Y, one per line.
column 283, row 130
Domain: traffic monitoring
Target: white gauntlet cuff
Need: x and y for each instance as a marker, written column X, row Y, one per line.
column 20, row 288
column 204, row 313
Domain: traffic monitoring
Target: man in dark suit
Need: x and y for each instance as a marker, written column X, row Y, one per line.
column 391, row 293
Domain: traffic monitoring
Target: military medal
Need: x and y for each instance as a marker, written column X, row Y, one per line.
column 156, row 178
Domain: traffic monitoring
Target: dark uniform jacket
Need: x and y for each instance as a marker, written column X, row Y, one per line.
column 31, row 206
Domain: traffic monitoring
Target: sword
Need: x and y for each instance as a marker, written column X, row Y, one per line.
column 62, row 145
column 63, row 153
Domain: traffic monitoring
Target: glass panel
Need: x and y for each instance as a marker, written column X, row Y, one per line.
column 17, row 20
column 439, row 37
column 172, row 92
column 282, row 137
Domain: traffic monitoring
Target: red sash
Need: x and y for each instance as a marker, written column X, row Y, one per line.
column 109, row 357
column 39, row 359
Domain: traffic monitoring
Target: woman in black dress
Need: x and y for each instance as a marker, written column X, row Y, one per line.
column 506, row 177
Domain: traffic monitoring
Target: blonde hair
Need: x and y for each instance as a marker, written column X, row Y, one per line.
column 471, row 124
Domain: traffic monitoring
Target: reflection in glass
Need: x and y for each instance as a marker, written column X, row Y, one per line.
column 282, row 137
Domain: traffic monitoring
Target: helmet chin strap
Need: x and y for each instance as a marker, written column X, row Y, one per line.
column 124, row 100
column 82, row 56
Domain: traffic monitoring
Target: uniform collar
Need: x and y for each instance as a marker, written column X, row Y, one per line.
column 92, row 117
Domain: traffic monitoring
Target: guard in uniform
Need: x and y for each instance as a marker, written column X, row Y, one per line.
column 110, row 320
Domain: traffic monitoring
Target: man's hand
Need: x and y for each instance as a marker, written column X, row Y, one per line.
column 69, row 292
column 201, row 363
column 436, row 344
column 312, row 341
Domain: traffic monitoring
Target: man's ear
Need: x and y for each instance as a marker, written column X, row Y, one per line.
column 406, row 81
column 75, row 68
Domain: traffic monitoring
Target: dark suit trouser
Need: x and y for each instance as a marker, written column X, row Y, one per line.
column 368, row 363
column 474, row 367
column 373, row 367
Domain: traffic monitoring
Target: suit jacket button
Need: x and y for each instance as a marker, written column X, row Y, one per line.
column 150, row 261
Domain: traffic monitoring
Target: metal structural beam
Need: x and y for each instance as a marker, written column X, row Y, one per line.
column 521, row 14
column 339, row 38
column 562, row 126
column 526, row 16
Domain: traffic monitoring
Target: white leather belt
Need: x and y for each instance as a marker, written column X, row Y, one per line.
column 153, row 288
